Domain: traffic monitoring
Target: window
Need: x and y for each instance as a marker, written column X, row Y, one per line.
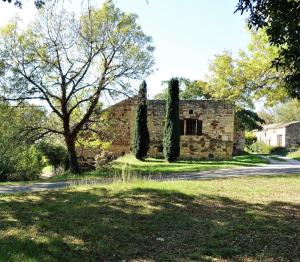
column 199, row 127
column 191, row 127
column 191, row 111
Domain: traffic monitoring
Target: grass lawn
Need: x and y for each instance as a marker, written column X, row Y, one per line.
column 277, row 158
column 295, row 155
column 160, row 166
column 241, row 219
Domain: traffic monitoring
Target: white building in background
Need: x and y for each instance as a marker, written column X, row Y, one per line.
column 287, row 134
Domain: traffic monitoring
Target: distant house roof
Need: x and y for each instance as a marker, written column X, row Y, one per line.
column 282, row 125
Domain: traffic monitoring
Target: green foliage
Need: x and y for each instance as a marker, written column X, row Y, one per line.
column 19, row 158
column 25, row 164
column 280, row 19
column 267, row 114
column 247, row 77
column 250, row 139
column 248, row 120
column 282, row 113
column 55, row 154
column 287, row 112
column 171, row 140
column 141, row 133
column 279, row 150
column 189, row 89
column 260, row 148
column 68, row 62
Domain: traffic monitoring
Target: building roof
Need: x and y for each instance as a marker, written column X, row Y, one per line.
column 281, row 125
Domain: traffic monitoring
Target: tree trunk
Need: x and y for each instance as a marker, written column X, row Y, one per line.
column 72, row 156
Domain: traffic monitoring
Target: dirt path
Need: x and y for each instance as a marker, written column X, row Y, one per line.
column 275, row 168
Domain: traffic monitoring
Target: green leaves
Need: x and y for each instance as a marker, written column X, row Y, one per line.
column 171, row 140
column 248, row 77
column 141, row 133
column 281, row 21
column 18, row 155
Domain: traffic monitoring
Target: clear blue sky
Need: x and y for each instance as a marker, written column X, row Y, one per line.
column 186, row 34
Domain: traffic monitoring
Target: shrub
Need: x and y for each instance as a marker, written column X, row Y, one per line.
column 171, row 140
column 279, row 150
column 250, row 139
column 55, row 154
column 260, row 148
column 25, row 164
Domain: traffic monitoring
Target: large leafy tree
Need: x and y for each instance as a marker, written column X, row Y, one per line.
column 141, row 133
column 283, row 112
column 171, row 141
column 281, row 21
column 249, row 76
column 68, row 64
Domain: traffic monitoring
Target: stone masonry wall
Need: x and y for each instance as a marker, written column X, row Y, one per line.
column 216, row 141
column 293, row 134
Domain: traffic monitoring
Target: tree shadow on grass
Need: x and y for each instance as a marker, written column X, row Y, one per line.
column 144, row 224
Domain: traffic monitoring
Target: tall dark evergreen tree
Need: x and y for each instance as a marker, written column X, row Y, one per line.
column 141, row 132
column 171, row 140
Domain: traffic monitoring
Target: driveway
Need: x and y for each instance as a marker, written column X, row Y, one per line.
column 275, row 168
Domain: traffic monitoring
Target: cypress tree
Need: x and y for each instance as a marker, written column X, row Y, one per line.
column 141, row 133
column 171, row 141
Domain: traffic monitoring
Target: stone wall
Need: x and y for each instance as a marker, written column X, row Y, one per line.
column 238, row 141
column 215, row 142
column 293, row 134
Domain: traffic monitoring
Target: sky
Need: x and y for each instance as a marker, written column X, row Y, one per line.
column 186, row 34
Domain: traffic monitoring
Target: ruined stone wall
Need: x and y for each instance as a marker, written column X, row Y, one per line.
column 215, row 142
column 122, row 116
column 293, row 134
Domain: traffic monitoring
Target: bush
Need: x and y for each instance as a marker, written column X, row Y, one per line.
column 250, row 139
column 260, row 148
column 55, row 154
column 24, row 164
column 279, row 150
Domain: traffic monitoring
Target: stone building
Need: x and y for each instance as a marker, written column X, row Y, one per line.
column 206, row 126
column 287, row 134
